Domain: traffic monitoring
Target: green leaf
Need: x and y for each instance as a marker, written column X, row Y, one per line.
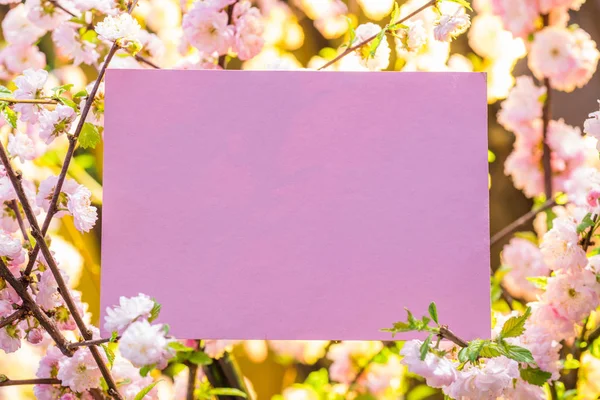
column 515, row 326
column 374, row 45
column 5, row 92
column 89, row 137
column 585, row 223
column 535, row 376
column 473, row 349
column 10, row 116
column 571, row 363
column 318, row 379
column 425, row 347
column 490, row 350
column 155, row 311
column 352, row 32
column 227, row 392
column 178, row 346
column 421, row 392
column 3, row 378
column 200, row 358
column 395, row 16
column 110, row 355
column 61, row 89
column 462, row 355
column 113, row 337
column 539, row 282
column 595, row 348
column 463, row 3
column 146, row 369
column 516, row 353
column 67, row 102
column 432, row 306
column 145, row 391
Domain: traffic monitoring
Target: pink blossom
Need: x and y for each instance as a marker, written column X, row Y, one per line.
column 9, row 245
column 548, row 5
column 46, row 15
column 560, row 246
column 55, row 123
column 524, row 260
column 248, row 30
column 412, row 38
column 574, row 294
column 216, row 348
column 20, row 145
column 46, row 191
column 207, row 29
column 35, row 336
column 48, row 296
column 104, row 6
column 6, row 308
column 567, row 57
column 67, row 40
column 79, row 205
column 46, row 392
column 122, row 27
column 18, row 29
column 10, row 338
column 378, row 377
column 29, row 86
column 129, row 310
column 133, row 382
column 544, row 348
column 591, row 126
column 437, row 371
column 381, row 59
column 522, row 390
column 450, row 26
column 48, row 367
column 486, row 382
column 583, row 188
column 79, row 372
column 145, row 344
column 518, row 16
column 522, row 106
column 19, row 57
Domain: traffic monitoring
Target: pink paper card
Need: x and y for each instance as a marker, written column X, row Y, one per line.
column 297, row 205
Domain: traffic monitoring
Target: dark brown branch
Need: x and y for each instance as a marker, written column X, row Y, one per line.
column 13, row 317
column 28, row 101
column 40, row 381
column 514, row 226
column 40, row 315
column 446, row 333
column 191, row 387
column 350, row 49
column 15, row 208
column 223, row 58
column 57, row 5
column 546, row 118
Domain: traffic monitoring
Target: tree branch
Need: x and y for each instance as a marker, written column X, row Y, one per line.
column 15, row 208
column 40, row 381
column 94, row 342
column 13, row 317
column 512, row 227
column 350, row 49
column 27, row 101
column 191, row 386
column 40, row 315
column 546, row 117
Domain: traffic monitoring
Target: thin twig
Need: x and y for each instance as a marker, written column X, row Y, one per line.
column 57, row 5
column 38, row 381
column 146, row 61
column 12, row 317
column 31, row 305
column 350, row 49
column 94, row 342
column 15, row 207
column 512, row 227
column 446, row 333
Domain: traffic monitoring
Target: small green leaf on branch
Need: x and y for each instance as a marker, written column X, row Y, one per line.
column 155, row 311
column 89, row 137
column 515, row 326
column 433, row 312
column 535, row 376
column 145, row 391
column 425, row 347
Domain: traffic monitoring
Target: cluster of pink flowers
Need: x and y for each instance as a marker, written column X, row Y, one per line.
column 210, row 29
column 521, row 113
